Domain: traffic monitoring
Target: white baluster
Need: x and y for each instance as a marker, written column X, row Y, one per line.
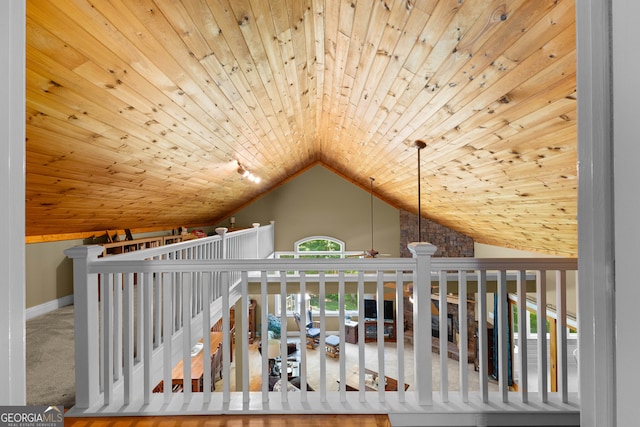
column 147, row 327
column 264, row 334
column 561, row 324
column 380, row 334
column 502, row 325
column 106, row 290
column 463, row 336
column 323, row 337
column 523, row 332
column 541, row 295
column 483, row 345
column 128, row 325
column 168, row 316
column 341, row 321
column 400, row 335
column 443, row 335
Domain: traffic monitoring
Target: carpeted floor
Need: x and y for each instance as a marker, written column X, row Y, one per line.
column 50, row 359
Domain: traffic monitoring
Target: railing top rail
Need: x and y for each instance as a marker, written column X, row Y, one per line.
column 144, row 254
column 118, row 264
column 111, row 265
column 467, row 263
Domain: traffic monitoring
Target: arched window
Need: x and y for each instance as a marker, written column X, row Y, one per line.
column 319, row 247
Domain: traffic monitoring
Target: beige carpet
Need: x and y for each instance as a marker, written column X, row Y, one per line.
column 351, row 357
column 50, row 359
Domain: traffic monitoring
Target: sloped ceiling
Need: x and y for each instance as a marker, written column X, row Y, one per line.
column 140, row 112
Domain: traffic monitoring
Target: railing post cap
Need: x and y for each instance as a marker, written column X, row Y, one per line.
column 222, row 230
column 84, row 251
column 256, row 224
column 422, row 248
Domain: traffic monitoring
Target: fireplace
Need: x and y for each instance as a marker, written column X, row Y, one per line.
column 453, row 326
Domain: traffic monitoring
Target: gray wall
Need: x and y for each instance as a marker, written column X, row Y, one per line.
column 319, row 202
column 49, row 273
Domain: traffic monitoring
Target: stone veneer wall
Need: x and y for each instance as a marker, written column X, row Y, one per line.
column 450, row 243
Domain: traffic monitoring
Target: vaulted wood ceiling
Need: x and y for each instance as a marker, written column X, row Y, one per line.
column 138, row 111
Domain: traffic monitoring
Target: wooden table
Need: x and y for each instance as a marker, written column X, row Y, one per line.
column 197, row 368
column 353, row 381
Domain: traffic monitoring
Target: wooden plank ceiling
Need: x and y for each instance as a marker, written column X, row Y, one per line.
column 138, row 111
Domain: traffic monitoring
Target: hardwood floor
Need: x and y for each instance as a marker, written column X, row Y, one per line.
column 356, row 420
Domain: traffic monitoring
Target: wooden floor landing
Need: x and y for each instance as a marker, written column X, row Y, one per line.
column 356, row 420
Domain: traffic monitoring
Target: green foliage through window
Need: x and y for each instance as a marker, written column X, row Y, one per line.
column 325, row 248
column 320, row 245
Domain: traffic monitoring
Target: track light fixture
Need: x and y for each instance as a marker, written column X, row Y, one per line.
column 247, row 174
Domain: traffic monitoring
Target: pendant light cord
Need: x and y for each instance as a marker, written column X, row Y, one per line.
column 371, row 203
column 420, row 145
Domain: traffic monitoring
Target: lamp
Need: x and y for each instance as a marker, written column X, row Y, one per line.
column 273, row 352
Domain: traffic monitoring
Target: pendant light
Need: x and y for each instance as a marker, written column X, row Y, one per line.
column 420, row 146
column 372, row 253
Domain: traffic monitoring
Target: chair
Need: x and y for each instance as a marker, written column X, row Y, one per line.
column 216, row 366
column 311, row 329
column 332, row 346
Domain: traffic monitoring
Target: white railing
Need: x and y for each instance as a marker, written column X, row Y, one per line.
column 152, row 311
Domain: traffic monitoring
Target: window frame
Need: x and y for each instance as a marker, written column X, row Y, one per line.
column 297, row 253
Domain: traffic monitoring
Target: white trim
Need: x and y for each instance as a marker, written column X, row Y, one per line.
column 596, row 290
column 296, row 254
column 12, row 187
column 626, row 65
column 310, row 238
column 48, row 306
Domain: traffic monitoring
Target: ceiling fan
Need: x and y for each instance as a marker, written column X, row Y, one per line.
column 371, row 253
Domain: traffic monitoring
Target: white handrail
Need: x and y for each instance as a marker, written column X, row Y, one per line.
column 181, row 291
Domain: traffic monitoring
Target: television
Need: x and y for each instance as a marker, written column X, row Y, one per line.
column 370, row 309
column 388, row 310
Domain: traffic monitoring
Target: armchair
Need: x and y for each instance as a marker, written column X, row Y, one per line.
column 312, row 330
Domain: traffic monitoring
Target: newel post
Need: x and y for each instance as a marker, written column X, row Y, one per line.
column 256, row 227
column 422, row 252
column 222, row 232
column 85, row 296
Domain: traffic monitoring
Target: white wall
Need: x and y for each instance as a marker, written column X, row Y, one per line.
column 626, row 96
column 12, row 137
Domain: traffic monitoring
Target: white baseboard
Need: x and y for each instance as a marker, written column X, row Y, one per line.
column 48, row 306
